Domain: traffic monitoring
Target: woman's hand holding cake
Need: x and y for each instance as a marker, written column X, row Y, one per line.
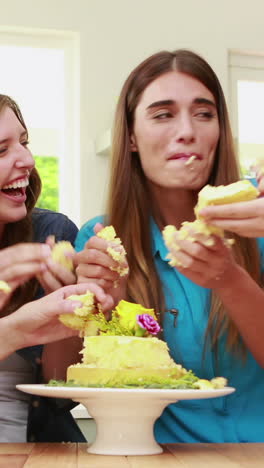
column 45, row 261
column 245, row 218
column 205, row 260
column 103, row 261
column 93, row 302
column 19, row 263
column 199, row 249
column 37, row 322
column 59, row 264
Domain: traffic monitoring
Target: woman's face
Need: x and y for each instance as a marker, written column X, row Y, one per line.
column 16, row 162
column 176, row 131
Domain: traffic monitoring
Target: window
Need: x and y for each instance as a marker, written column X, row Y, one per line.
column 42, row 75
column 247, row 106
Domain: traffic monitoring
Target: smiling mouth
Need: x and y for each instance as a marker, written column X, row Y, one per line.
column 18, row 192
column 17, row 188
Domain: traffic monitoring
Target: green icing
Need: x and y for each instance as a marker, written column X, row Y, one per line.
column 184, row 382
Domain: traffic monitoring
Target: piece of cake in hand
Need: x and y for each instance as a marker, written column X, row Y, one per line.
column 82, row 317
column 221, row 195
column 196, row 226
column 240, row 191
column 58, row 254
column 116, row 250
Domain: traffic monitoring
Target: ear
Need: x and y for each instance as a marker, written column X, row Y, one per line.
column 133, row 144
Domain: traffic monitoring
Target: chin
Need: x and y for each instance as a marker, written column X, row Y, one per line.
column 197, row 183
column 188, row 185
column 15, row 216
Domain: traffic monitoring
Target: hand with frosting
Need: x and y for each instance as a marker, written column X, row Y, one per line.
column 243, row 218
column 59, row 269
column 205, row 260
column 19, row 263
column 103, row 262
column 37, row 322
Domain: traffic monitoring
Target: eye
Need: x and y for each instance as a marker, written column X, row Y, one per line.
column 205, row 115
column 162, row 115
column 25, row 143
column 3, row 150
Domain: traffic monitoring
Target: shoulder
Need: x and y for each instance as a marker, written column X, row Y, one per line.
column 87, row 231
column 260, row 242
column 46, row 222
column 253, row 180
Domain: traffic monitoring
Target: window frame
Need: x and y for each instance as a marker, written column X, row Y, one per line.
column 243, row 66
column 69, row 42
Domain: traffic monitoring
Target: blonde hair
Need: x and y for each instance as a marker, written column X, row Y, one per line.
column 128, row 193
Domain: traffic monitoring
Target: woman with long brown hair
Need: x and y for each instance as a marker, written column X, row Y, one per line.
column 26, row 254
column 171, row 137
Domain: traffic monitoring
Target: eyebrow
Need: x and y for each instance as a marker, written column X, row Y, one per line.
column 170, row 102
column 165, row 102
column 25, row 133
column 204, row 101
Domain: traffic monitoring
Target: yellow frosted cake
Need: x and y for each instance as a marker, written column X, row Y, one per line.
column 124, row 360
column 125, row 351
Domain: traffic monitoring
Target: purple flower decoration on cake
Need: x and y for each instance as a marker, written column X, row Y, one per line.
column 148, row 323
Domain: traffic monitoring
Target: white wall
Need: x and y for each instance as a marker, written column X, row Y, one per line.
column 117, row 34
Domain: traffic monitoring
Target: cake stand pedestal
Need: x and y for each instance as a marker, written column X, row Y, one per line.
column 125, row 427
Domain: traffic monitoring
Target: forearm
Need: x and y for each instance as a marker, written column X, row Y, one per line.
column 244, row 301
column 57, row 356
column 9, row 338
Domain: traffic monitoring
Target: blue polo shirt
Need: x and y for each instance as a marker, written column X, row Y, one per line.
column 238, row 417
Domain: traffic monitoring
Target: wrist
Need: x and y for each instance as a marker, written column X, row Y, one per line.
column 9, row 338
column 230, row 278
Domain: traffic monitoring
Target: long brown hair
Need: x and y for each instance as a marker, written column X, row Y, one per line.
column 21, row 231
column 128, row 197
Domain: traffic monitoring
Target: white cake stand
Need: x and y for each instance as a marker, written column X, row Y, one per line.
column 124, row 417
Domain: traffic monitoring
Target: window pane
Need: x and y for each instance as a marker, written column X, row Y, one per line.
column 250, row 96
column 39, row 92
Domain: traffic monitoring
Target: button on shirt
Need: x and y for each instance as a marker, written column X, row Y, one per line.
column 238, row 417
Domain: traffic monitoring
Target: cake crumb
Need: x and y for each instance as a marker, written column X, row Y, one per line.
column 190, row 160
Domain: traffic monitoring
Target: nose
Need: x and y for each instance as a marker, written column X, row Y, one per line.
column 24, row 158
column 185, row 129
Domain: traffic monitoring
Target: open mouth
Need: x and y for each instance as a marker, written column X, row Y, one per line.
column 17, row 189
column 15, row 192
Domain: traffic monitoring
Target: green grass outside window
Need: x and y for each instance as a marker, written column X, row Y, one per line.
column 48, row 168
